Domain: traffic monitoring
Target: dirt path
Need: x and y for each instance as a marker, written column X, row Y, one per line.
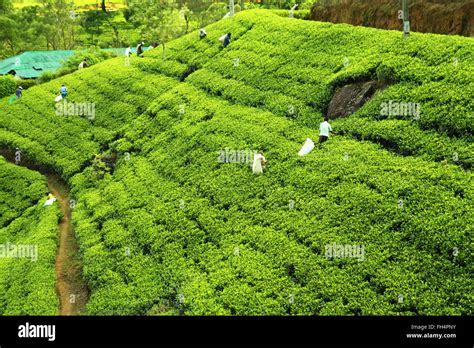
column 71, row 289
column 70, row 285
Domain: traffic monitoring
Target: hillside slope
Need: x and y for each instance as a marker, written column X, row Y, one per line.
column 172, row 230
column 28, row 241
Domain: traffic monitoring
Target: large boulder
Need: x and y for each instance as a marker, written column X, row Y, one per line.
column 350, row 98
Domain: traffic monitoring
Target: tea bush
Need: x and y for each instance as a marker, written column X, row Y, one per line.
column 172, row 231
column 20, row 189
column 7, row 86
column 27, row 283
column 181, row 235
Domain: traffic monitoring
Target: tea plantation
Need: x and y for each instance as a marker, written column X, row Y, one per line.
column 28, row 238
column 171, row 231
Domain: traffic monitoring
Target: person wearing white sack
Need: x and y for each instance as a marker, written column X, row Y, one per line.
column 225, row 39
column 62, row 94
column 259, row 163
column 51, row 199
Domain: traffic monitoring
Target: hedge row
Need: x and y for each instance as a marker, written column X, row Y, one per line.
column 173, row 231
column 282, row 65
column 7, row 86
column 19, row 189
column 407, row 139
column 176, row 232
column 67, row 143
column 27, row 284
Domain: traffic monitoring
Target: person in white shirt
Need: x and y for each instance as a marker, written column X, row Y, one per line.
column 259, row 163
column 83, row 64
column 128, row 52
column 51, row 199
column 324, row 129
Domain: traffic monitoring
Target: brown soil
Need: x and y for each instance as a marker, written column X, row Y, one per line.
column 72, row 291
column 428, row 16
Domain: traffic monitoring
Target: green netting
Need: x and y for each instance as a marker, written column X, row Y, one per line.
column 32, row 64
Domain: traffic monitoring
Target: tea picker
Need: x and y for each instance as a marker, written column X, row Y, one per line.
column 83, row 64
column 324, row 129
column 62, row 93
column 225, row 39
column 259, row 163
column 140, row 49
column 19, row 92
column 202, row 33
column 51, row 199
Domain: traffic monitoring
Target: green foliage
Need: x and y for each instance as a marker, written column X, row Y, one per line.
column 174, row 232
column 159, row 21
column 27, row 283
column 7, row 86
column 25, row 84
column 5, row 6
column 100, row 167
column 407, row 139
column 20, row 189
column 93, row 56
column 298, row 14
column 186, row 228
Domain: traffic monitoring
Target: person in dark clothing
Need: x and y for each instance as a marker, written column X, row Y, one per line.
column 19, row 92
column 140, row 49
column 227, row 40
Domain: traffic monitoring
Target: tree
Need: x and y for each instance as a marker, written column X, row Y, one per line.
column 5, row 7
column 58, row 19
column 159, row 20
column 8, row 35
column 7, row 28
column 213, row 13
column 186, row 13
column 92, row 23
column 20, row 30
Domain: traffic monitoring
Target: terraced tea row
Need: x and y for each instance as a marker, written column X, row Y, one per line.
column 27, row 244
column 176, row 230
column 181, row 233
